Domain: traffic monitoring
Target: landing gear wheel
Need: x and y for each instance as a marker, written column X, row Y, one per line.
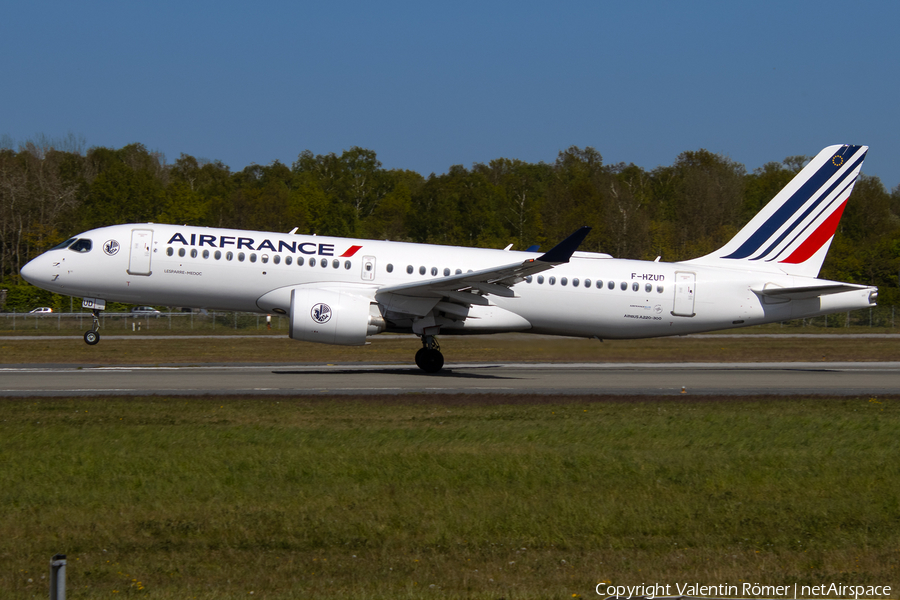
column 429, row 360
column 93, row 336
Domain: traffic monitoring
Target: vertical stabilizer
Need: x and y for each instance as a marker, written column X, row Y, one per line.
column 793, row 232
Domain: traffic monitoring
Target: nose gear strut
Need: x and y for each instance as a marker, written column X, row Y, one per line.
column 92, row 336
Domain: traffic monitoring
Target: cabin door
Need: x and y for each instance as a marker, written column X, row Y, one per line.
column 141, row 247
column 685, row 287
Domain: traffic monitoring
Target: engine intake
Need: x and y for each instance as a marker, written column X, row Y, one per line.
column 330, row 316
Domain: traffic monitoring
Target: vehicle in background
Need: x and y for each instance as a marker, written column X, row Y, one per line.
column 40, row 310
column 144, row 310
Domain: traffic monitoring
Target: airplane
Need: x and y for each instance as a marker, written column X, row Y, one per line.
column 341, row 291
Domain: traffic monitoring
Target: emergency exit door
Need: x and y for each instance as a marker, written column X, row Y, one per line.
column 685, row 288
column 368, row 268
column 141, row 247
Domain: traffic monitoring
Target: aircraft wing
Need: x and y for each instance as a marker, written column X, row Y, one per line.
column 799, row 293
column 471, row 288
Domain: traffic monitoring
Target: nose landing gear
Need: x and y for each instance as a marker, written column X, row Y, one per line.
column 429, row 357
column 92, row 336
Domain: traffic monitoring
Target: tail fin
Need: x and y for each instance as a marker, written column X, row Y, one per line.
column 793, row 232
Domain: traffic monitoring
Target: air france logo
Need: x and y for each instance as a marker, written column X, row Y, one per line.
column 321, row 313
column 111, row 247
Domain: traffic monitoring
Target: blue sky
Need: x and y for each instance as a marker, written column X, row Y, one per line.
column 430, row 85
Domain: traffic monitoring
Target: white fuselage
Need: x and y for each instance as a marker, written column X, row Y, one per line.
column 593, row 295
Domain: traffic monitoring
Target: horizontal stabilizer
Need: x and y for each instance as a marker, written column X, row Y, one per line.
column 814, row 291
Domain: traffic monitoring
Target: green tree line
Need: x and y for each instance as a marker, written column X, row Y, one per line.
column 50, row 191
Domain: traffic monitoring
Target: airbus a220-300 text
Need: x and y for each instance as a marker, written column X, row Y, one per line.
column 340, row 291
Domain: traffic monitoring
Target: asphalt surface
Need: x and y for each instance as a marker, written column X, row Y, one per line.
column 825, row 378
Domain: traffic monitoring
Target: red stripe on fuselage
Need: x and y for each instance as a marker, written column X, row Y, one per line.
column 350, row 251
column 818, row 238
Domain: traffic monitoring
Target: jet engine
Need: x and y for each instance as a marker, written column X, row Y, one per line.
column 333, row 316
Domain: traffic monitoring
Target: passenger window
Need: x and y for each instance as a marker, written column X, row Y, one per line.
column 624, row 286
column 82, row 245
column 181, row 252
column 552, row 280
column 206, row 254
column 323, row 262
column 276, row 259
column 563, row 281
column 218, row 255
column 288, row 260
column 312, row 262
column 170, row 251
column 300, row 261
column 433, row 271
column 458, row 272
column 528, row 278
column 599, row 284
column 390, row 268
column 335, row 263
column 229, row 255
column 253, row 257
column 446, row 272
column 540, row 279
column 611, row 285
column 347, row 264
column 421, row 270
column 635, row 287
column 587, row 283
column 648, row 288
column 575, row 282
column 241, row 257
column 409, row 269
column 659, row 289
column 193, row 253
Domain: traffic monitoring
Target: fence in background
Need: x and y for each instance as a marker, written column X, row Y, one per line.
column 880, row 318
column 222, row 322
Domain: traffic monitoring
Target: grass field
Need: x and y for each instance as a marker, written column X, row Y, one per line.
column 277, row 347
column 445, row 496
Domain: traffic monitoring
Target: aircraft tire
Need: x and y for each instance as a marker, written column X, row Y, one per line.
column 429, row 360
column 91, row 337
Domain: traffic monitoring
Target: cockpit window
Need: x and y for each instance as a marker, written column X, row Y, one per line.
column 81, row 245
column 65, row 244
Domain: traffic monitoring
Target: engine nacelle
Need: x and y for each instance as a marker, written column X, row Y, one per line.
column 332, row 316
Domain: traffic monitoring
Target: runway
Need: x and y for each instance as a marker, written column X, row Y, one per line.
column 831, row 378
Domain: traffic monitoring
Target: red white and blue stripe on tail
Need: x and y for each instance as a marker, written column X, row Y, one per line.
column 793, row 232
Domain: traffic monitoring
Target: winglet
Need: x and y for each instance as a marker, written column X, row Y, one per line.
column 563, row 251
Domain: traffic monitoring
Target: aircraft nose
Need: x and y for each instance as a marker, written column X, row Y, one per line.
column 32, row 272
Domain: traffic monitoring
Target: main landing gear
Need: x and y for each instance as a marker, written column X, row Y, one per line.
column 429, row 358
column 92, row 336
